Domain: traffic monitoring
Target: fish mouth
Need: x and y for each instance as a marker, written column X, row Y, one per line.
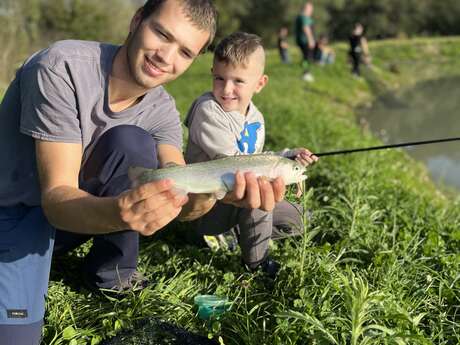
column 302, row 177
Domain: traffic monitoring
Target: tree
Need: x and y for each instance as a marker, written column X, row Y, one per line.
column 87, row 19
column 443, row 17
column 230, row 16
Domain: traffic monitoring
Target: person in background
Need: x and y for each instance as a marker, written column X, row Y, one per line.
column 225, row 122
column 305, row 39
column 283, row 45
column 323, row 54
column 359, row 50
column 75, row 118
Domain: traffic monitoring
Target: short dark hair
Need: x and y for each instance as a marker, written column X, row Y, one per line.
column 202, row 14
column 236, row 48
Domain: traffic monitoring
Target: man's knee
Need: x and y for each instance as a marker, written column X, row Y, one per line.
column 126, row 142
column 129, row 139
column 105, row 171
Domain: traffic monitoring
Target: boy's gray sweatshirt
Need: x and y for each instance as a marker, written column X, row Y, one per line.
column 214, row 132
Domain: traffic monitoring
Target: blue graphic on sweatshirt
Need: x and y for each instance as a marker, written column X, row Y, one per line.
column 247, row 143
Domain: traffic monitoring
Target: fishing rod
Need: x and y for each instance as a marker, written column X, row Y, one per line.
column 382, row 147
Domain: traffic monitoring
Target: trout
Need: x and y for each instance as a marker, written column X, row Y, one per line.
column 218, row 176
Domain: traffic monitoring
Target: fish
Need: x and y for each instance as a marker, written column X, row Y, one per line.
column 218, row 176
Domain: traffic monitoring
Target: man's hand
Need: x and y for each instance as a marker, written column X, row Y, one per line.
column 252, row 192
column 149, row 207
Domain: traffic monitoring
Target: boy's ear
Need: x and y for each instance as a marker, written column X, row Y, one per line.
column 263, row 80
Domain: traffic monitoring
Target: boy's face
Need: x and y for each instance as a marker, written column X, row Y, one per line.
column 163, row 46
column 234, row 86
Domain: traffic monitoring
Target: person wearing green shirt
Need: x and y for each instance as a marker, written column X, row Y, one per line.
column 305, row 38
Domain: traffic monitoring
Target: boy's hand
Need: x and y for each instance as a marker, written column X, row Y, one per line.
column 301, row 155
column 149, row 207
column 252, row 192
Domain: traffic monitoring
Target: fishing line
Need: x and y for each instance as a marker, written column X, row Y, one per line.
column 382, row 147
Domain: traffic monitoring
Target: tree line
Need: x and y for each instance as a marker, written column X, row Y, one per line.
column 27, row 25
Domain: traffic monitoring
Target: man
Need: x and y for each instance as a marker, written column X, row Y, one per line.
column 77, row 115
column 305, row 39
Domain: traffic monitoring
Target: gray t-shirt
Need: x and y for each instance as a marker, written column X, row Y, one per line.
column 214, row 132
column 61, row 94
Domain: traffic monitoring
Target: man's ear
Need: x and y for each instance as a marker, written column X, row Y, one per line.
column 263, row 80
column 136, row 20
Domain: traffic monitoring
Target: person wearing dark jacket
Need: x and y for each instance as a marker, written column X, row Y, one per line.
column 359, row 51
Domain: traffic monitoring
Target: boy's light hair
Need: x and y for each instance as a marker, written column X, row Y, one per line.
column 236, row 48
column 202, row 13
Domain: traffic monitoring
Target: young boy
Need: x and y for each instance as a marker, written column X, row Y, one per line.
column 225, row 122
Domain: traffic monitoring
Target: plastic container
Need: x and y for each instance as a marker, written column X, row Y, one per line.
column 211, row 306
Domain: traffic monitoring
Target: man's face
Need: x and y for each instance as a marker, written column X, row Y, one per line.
column 234, row 86
column 163, row 46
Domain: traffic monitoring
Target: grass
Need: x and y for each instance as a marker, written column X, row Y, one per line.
column 378, row 264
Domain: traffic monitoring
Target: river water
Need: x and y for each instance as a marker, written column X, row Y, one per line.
column 429, row 110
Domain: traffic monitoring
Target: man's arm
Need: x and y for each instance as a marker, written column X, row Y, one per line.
column 309, row 33
column 145, row 209
column 365, row 47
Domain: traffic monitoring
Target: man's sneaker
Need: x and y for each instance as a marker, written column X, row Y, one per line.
column 308, row 77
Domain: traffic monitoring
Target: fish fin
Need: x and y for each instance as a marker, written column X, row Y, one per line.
column 134, row 173
column 228, row 180
column 220, row 194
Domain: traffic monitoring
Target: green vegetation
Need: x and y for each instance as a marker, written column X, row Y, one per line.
column 379, row 262
column 29, row 25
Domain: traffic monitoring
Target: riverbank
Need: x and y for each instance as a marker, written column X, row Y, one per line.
column 378, row 262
